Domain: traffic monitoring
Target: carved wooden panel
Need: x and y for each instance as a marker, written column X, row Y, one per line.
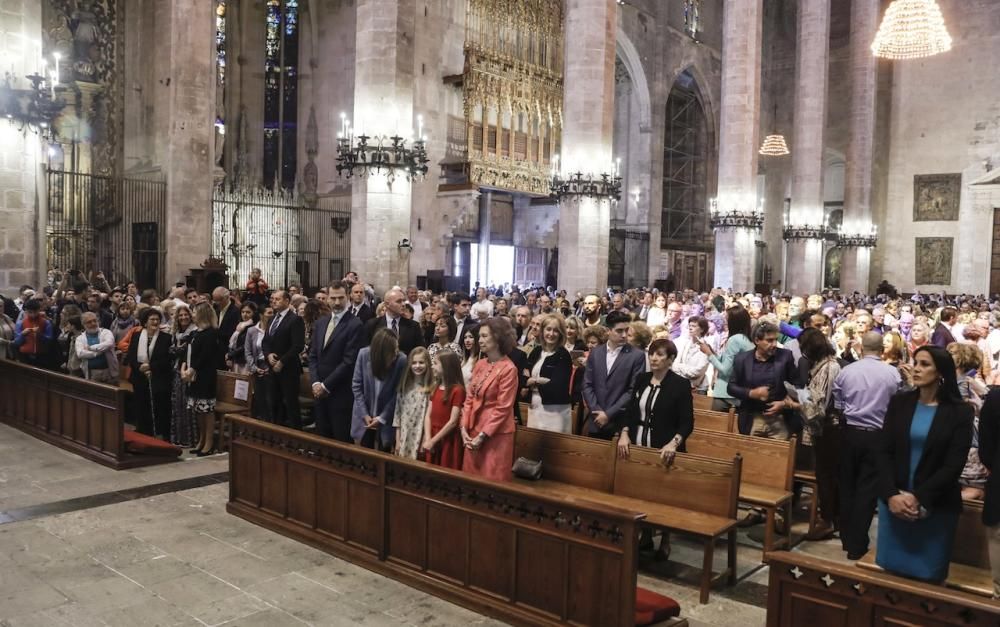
column 541, row 573
column 803, row 606
column 448, row 559
column 408, row 530
column 491, row 550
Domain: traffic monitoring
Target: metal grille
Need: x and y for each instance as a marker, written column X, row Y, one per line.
column 273, row 231
column 111, row 224
column 685, row 175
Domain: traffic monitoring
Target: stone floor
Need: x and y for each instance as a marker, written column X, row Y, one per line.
column 84, row 545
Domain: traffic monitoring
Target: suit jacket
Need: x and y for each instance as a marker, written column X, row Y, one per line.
column 942, row 336
column 227, row 326
column 367, row 400
column 610, row 391
column 673, row 411
column 410, row 335
column 491, row 409
column 989, row 455
column 204, row 357
column 365, row 313
column 558, row 368
column 935, row 481
column 160, row 363
column 739, row 386
column 286, row 341
column 332, row 364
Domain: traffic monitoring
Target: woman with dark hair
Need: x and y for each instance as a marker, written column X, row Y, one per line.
column 488, row 414
column 123, row 321
column 236, row 356
column 738, row 341
column 470, row 352
column 925, row 442
column 377, row 373
column 820, row 426
column 151, row 375
column 444, row 336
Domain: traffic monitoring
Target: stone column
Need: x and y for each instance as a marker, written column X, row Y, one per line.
column 190, row 141
column 856, row 264
column 804, row 257
column 739, row 139
column 588, row 125
column 383, row 103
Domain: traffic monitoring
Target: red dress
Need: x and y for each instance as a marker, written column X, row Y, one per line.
column 448, row 452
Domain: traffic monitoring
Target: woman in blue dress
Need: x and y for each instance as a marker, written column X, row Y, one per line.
column 926, row 439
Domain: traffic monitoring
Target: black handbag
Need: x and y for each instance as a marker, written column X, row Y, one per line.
column 529, row 469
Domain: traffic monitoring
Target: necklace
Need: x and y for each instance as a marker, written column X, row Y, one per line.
column 477, row 384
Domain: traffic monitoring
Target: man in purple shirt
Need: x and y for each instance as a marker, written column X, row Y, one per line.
column 861, row 394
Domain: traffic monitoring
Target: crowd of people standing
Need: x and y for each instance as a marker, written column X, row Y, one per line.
column 890, row 398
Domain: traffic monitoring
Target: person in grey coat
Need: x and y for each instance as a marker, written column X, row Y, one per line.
column 376, row 381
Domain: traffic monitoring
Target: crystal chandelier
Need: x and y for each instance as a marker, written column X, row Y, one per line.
column 911, row 29
column 774, row 146
column 362, row 154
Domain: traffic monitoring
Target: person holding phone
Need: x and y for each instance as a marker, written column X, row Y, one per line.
column 550, row 373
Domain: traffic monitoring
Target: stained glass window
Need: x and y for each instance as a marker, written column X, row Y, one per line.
column 692, row 17
column 281, row 52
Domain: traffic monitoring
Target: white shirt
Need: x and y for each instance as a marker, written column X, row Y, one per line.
column 418, row 310
column 479, row 307
column 388, row 322
column 613, row 356
column 691, row 363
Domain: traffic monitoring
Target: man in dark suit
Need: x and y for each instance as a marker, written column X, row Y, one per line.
column 337, row 338
column 409, row 333
column 989, row 455
column 282, row 344
column 461, row 305
column 229, row 318
column 609, row 377
column 758, row 380
column 942, row 335
column 358, row 307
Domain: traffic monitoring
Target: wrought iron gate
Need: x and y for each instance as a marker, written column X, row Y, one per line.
column 628, row 258
column 274, row 231
column 106, row 223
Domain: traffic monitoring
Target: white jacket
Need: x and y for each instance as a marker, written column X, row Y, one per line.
column 105, row 344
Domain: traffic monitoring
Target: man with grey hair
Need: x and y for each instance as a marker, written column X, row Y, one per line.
column 861, row 393
column 758, row 379
column 229, row 319
column 95, row 348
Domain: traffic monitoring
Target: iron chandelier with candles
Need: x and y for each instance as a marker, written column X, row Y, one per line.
column 32, row 103
column 361, row 154
column 577, row 185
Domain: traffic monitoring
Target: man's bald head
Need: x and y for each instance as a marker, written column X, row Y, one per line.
column 394, row 302
column 871, row 343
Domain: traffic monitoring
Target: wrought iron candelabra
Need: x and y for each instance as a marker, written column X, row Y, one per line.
column 804, row 232
column 361, row 154
column 857, row 240
column 34, row 108
column 579, row 185
column 739, row 218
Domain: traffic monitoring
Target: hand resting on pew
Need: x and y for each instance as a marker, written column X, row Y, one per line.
column 667, row 453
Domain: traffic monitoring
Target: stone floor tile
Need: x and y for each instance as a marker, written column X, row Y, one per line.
column 29, row 599
column 153, row 612
column 268, row 618
column 244, row 570
column 107, row 594
column 193, row 589
column 156, row 570
column 432, row 612
column 303, row 598
column 228, row 609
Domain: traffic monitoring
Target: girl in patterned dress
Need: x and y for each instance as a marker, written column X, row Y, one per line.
column 411, row 404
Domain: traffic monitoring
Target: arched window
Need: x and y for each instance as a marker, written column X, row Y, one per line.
column 281, row 54
column 685, row 171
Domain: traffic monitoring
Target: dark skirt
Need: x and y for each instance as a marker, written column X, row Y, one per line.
column 183, row 426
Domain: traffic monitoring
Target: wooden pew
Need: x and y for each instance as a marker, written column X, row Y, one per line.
column 808, row 478
column 806, row 590
column 969, row 570
column 766, row 478
column 696, row 495
column 81, row 416
column 702, row 401
column 515, row 552
column 715, row 420
column 226, row 401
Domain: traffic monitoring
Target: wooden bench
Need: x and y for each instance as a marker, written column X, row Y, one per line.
column 808, row 478
column 226, row 401
column 515, row 552
column 84, row 417
column 701, row 401
column 715, row 420
column 766, row 477
column 807, row 590
column 696, row 495
column 969, row 570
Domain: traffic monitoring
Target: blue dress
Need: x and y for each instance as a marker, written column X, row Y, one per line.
column 919, row 549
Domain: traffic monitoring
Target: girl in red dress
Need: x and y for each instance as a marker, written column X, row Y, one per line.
column 442, row 439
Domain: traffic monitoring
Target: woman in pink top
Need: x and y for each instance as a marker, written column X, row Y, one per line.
column 488, row 414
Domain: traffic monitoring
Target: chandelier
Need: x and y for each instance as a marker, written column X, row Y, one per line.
column 858, row 238
column 911, row 29
column 361, row 154
column 32, row 104
column 774, row 146
column 749, row 218
column 578, row 185
column 793, row 232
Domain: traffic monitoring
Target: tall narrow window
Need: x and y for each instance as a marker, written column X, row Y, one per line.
column 281, row 55
column 220, row 81
column 685, row 171
column 692, row 17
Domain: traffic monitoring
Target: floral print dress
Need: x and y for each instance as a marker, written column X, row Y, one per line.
column 411, row 407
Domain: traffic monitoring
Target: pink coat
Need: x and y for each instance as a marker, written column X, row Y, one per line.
column 489, row 408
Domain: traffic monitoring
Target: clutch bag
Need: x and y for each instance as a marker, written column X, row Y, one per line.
column 529, row 469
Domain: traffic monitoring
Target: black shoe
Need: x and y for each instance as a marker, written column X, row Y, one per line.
column 856, row 556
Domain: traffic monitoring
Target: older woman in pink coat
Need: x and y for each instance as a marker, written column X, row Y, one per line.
column 488, row 414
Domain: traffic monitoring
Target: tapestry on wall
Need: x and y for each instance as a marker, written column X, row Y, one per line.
column 933, row 260
column 936, row 197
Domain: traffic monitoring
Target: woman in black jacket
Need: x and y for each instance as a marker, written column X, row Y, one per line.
column 151, row 375
column 660, row 414
column 550, row 374
column 199, row 373
column 925, row 441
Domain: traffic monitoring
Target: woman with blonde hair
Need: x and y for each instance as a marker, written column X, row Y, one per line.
column 968, row 362
column 199, row 373
column 183, row 424
column 549, row 377
column 411, row 405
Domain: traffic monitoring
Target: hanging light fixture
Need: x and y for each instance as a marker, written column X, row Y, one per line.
column 774, row 145
column 911, row 29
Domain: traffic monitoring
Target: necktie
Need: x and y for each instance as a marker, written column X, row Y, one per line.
column 329, row 330
column 274, row 325
column 395, row 326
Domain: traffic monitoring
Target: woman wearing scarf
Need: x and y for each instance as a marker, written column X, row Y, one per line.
column 124, row 320
column 151, row 375
column 183, row 426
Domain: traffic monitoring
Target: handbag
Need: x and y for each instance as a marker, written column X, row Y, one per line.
column 529, row 469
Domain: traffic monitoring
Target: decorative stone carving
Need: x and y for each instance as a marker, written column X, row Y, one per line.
column 933, row 260
column 936, row 197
